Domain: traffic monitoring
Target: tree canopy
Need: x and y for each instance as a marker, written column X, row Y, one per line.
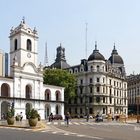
column 62, row 78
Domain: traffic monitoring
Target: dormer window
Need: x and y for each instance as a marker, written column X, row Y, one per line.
column 70, row 71
column 29, row 45
column 75, row 70
column 15, row 46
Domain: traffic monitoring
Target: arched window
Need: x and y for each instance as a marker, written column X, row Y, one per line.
column 58, row 98
column 28, row 91
column 57, row 109
column 47, row 94
column 71, row 71
column 15, row 44
column 98, row 68
column 5, row 90
column 29, row 45
column 75, row 70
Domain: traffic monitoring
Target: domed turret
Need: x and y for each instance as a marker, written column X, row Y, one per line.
column 115, row 58
column 96, row 55
column 60, row 61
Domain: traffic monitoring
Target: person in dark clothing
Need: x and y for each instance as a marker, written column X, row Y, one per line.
column 51, row 117
column 67, row 117
column 21, row 116
column 99, row 118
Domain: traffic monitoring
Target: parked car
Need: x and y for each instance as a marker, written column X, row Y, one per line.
column 57, row 117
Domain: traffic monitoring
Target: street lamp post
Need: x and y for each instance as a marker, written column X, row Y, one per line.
column 86, row 108
column 87, row 112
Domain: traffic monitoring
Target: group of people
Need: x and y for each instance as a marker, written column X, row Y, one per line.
column 19, row 116
column 3, row 117
column 67, row 118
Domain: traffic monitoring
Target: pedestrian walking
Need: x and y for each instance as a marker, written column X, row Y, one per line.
column 67, row 117
column 87, row 117
column 21, row 116
column 113, row 117
column 51, row 117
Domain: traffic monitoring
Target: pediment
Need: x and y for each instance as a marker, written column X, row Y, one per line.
column 29, row 68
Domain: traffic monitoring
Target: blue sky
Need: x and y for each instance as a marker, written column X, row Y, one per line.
column 63, row 21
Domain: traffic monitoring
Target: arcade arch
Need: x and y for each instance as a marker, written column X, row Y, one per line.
column 47, row 111
column 4, row 109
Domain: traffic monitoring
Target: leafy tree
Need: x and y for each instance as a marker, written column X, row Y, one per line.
column 62, row 78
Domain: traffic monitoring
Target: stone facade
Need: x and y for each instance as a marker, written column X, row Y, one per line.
column 101, row 85
column 133, row 93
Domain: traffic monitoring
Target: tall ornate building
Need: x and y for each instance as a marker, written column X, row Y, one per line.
column 1, row 63
column 133, row 93
column 101, row 85
column 24, row 88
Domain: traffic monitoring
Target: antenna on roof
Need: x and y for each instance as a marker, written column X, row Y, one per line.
column 86, row 39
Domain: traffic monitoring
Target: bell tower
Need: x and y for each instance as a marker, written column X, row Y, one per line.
column 23, row 45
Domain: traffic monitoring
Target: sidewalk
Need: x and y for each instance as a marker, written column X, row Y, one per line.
column 43, row 123
column 23, row 124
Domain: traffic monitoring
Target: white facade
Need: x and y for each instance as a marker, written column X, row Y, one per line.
column 25, row 88
column 101, row 86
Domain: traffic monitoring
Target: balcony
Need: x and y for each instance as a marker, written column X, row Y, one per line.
column 100, row 94
column 99, row 104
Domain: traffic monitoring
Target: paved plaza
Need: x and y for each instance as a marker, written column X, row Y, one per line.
column 80, row 129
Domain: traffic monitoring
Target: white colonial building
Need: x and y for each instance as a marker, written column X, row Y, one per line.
column 24, row 88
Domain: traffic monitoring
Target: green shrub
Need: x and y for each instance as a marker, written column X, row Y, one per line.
column 11, row 112
column 33, row 114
